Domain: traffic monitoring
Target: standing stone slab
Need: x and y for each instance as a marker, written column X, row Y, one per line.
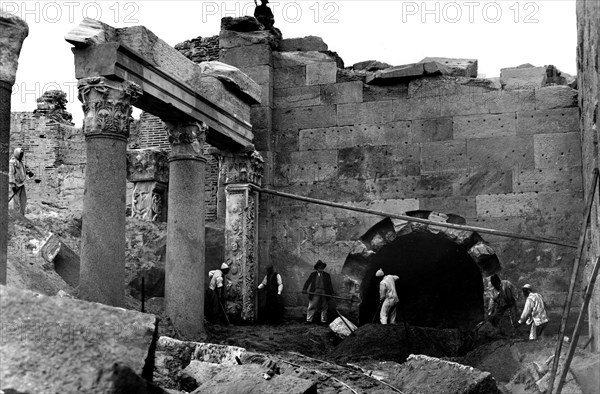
column 523, row 78
column 56, row 344
column 13, row 31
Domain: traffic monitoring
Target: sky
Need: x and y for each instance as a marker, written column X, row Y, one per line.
column 500, row 34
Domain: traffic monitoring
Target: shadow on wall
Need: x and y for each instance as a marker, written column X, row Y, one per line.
column 441, row 272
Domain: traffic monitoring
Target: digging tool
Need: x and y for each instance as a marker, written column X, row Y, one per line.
column 377, row 311
column 224, row 312
column 345, row 323
column 353, row 299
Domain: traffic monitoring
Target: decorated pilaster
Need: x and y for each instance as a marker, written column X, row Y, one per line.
column 240, row 171
column 107, row 116
column 13, row 32
column 148, row 170
column 184, row 271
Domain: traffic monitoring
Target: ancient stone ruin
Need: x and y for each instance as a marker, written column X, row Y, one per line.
column 256, row 150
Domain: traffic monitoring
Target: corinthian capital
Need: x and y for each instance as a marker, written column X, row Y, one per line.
column 13, row 31
column 107, row 106
column 186, row 137
column 245, row 166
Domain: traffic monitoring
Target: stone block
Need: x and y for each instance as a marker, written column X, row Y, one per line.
column 557, row 150
column 464, row 206
column 301, row 96
column 547, row 179
column 422, row 374
column 456, row 67
column 304, row 44
column 311, row 166
column 505, row 153
column 233, row 78
column 263, row 75
column 370, row 65
column 481, row 126
column 341, row 93
column 415, row 70
column 387, row 92
column 304, row 117
column 440, row 156
column 560, row 120
column 429, row 130
column 247, row 56
column 522, row 78
column 71, row 337
column 374, row 112
column 368, row 162
column 482, row 180
column 261, row 117
column 291, row 59
column 231, row 39
column 561, row 202
column 550, row 97
column 320, row 73
column 512, row 204
column 354, row 136
column 287, row 77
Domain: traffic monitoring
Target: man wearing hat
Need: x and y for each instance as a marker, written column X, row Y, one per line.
column 534, row 313
column 264, row 15
column 319, row 286
column 216, row 294
column 388, row 297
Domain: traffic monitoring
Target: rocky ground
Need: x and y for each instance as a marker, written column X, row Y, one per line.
column 372, row 360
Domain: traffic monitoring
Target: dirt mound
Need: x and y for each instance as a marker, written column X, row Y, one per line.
column 394, row 343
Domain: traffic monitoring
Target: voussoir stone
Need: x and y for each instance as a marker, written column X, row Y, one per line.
column 13, row 30
column 57, row 344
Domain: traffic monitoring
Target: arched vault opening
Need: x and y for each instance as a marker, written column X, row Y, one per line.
column 440, row 270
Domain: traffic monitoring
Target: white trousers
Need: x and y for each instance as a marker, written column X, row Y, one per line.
column 388, row 311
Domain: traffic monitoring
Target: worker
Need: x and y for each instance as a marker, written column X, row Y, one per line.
column 503, row 299
column 534, row 312
column 273, row 286
column 216, row 294
column 16, row 180
column 320, row 288
column 264, row 15
column 388, row 297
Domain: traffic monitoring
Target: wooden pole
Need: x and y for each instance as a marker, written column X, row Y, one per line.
column 417, row 220
column 577, row 262
column 577, row 330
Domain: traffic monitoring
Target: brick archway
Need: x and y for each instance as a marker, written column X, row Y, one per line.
column 441, row 271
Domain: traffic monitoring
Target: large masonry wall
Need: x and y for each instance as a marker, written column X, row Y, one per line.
column 55, row 153
column 507, row 159
column 588, row 72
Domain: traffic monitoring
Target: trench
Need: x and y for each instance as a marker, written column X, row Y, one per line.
column 439, row 283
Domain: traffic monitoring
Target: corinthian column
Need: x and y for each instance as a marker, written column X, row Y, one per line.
column 13, row 31
column 107, row 111
column 184, row 271
column 240, row 171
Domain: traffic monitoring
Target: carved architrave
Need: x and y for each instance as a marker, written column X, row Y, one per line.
column 147, row 165
column 241, row 248
column 244, row 167
column 107, row 106
column 148, row 201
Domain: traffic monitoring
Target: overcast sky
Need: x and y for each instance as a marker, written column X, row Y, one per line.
column 502, row 33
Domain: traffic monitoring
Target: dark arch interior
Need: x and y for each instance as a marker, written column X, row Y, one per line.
column 440, row 285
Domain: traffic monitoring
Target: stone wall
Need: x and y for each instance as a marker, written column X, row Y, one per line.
column 55, row 153
column 588, row 60
column 508, row 159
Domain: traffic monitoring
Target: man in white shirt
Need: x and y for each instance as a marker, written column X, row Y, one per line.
column 534, row 313
column 389, row 297
column 216, row 294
